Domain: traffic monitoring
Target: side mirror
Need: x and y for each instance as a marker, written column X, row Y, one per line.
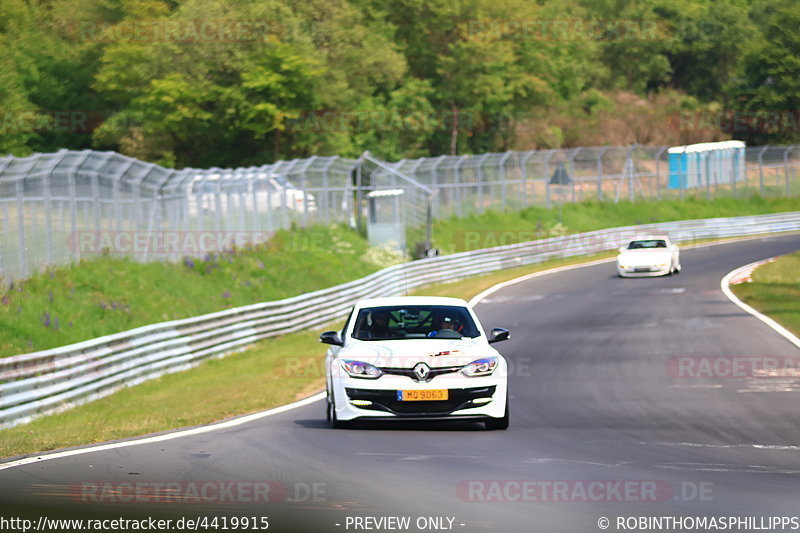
column 499, row 334
column 331, row 337
column 622, row 248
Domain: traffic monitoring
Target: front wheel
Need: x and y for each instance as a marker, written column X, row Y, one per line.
column 330, row 415
column 499, row 423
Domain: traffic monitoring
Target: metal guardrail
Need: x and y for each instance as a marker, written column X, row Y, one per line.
column 52, row 380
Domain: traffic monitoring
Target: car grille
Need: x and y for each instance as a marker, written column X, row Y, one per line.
column 408, row 372
column 386, row 400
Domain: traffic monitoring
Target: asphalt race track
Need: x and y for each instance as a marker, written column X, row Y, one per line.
column 613, row 380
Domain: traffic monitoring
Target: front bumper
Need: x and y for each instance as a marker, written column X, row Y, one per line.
column 468, row 398
column 386, row 400
column 643, row 271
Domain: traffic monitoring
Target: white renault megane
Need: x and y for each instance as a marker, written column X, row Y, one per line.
column 415, row 358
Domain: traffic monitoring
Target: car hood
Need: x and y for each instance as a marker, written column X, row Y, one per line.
column 436, row 353
column 645, row 257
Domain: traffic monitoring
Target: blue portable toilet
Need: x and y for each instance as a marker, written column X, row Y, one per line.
column 701, row 164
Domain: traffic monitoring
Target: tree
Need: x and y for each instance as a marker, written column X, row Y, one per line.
column 235, row 100
column 769, row 86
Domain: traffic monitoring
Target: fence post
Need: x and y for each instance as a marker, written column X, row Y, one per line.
column 4, row 221
column 96, row 200
column 630, row 171
column 572, row 155
column 502, row 175
column 115, row 195
column 435, row 185
column 524, row 175
column 73, row 198
column 786, row 168
column 48, row 217
column 761, row 169
column 600, row 172
column 659, row 190
column 22, row 250
column 304, row 187
column 457, row 172
column 100, row 172
column 326, row 180
column 549, row 155
column 359, row 195
column 479, row 175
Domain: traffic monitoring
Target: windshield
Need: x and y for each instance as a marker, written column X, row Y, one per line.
column 414, row 322
column 652, row 243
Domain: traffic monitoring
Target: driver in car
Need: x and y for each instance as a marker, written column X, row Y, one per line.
column 446, row 322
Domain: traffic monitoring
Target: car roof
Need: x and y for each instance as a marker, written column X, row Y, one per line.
column 410, row 300
column 651, row 238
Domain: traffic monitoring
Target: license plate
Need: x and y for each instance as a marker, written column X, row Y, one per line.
column 428, row 395
column 642, row 269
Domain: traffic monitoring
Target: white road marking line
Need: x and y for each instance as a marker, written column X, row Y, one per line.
column 696, row 386
column 480, row 296
column 722, row 467
column 168, row 436
column 779, row 447
column 725, row 285
column 494, row 288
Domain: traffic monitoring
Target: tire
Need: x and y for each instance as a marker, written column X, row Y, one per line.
column 330, row 415
column 498, row 423
column 328, row 410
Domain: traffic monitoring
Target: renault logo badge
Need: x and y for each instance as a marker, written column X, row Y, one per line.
column 421, row 370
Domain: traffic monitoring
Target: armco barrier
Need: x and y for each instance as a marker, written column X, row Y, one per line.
column 52, row 380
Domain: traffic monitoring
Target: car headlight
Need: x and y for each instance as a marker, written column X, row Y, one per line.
column 360, row 369
column 480, row 367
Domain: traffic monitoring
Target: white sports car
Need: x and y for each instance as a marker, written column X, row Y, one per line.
column 415, row 358
column 649, row 256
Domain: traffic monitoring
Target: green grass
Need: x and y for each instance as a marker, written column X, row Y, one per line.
column 107, row 295
column 493, row 228
column 265, row 375
column 775, row 291
column 268, row 374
